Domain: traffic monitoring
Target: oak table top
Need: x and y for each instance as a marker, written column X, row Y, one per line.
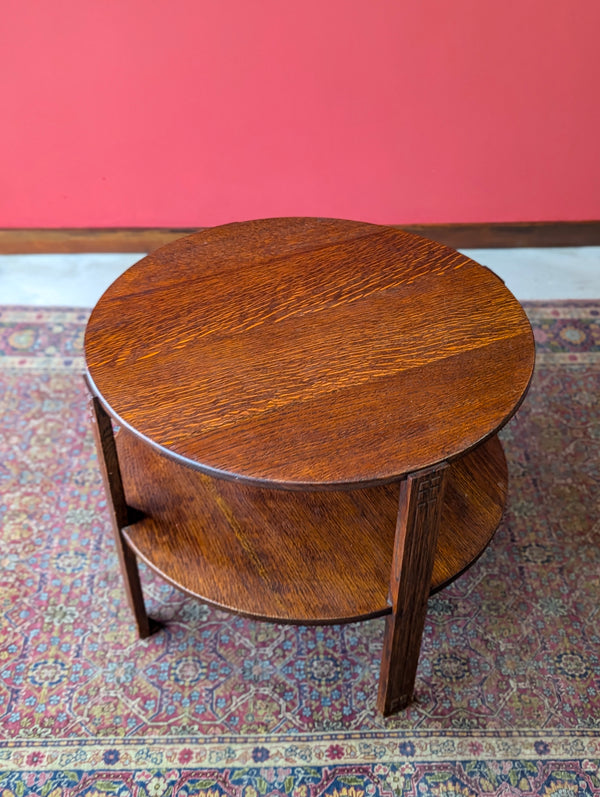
column 364, row 369
column 309, row 353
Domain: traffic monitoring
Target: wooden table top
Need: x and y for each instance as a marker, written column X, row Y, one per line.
column 309, row 353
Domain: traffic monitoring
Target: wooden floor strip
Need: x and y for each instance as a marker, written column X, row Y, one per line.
column 458, row 236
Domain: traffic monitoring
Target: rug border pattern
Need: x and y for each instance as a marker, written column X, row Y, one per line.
column 291, row 750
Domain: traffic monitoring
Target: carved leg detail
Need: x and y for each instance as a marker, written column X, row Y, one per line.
column 421, row 496
column 121, row 515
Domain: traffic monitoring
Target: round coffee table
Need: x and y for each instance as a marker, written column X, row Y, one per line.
column 307, row 413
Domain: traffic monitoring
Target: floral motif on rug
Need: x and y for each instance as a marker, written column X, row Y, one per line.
column 508, row 689
column 420, row 766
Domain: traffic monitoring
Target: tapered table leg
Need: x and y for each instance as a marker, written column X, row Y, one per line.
column 121, row 514
column 421, row 496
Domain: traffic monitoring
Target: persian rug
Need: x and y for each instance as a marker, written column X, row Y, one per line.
column 508, row 688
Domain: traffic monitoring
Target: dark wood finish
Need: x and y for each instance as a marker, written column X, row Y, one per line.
column 318, row 557
column 121, row 514
column 459, row 236
column 71, row 241
column 307, row 405
column 240, row 349
column 419, row 516
column 505, row 235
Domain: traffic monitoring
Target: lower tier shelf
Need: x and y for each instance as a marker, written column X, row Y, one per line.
column 296, row 557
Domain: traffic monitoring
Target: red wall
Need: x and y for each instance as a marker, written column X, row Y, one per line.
column 196, row 112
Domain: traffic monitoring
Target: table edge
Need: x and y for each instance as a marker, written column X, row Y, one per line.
column 300, row 486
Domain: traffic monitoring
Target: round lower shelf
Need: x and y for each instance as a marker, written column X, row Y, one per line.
column 296, row 557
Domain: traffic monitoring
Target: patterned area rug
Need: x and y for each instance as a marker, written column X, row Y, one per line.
column 508, row 687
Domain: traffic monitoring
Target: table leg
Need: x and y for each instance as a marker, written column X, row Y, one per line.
column 121, row 514
column 421, row 496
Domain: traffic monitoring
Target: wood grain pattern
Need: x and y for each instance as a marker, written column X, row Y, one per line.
column 146, row 239
column 417, row 529
column 240, row 349
column 121, row 515
column 319, row 557
column 360, row 368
